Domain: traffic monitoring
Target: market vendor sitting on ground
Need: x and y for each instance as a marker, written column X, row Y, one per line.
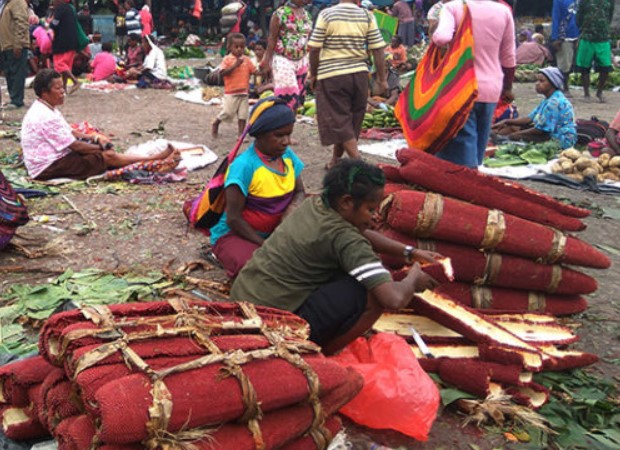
column 612, row 137
column 52, row 149
column 553, row 118
column 393, row 91
column 153, row 69
column 397, row 55
column 263, row 185
column 320, row 263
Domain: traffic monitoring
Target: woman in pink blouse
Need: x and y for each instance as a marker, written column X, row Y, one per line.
column 494, row 64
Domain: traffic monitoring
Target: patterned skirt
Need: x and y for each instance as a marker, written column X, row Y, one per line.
column 6, row 234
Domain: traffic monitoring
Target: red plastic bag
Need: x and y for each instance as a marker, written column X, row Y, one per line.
column 397, row 393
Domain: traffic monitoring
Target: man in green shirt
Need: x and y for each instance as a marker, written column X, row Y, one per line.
column 594, row 19
column 320, row 263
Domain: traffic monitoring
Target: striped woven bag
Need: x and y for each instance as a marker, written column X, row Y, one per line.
column 442, row 92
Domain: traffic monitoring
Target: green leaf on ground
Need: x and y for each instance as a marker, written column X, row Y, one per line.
column 450, row 395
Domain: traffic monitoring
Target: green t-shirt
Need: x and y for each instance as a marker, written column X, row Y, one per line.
column 312, row 247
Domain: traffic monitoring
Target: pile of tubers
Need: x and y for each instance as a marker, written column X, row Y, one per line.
column 578, row 165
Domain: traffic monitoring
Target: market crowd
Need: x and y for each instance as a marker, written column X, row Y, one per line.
column 315, row 256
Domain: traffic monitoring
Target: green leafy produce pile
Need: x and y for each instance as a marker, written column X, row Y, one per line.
column 380, row 119
column 614, row 79
column 583, row 410
column 181, row 72
column 183, row 52
column 28, row 304
column 527, row 73
column 518, row 154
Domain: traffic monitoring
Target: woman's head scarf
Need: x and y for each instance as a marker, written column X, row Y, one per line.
column 269, row 114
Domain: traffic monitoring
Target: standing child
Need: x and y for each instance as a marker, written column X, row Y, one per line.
column 262, row 81
column 120, row 30
column 236, row 69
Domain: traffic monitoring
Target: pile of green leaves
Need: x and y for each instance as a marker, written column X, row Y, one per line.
column 583, row 410
column 32, row 303
column 181, row 72
column 183, row 52
column 518, row 154
column 613, row 80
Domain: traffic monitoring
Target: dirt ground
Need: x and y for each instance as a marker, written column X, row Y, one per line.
column 141, row 228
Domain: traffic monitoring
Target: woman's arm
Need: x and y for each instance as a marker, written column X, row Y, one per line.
column 85, row 148
column 530, row 134
column 387, row 246
column 235, row 204
column 398, row 294
column 274, row 31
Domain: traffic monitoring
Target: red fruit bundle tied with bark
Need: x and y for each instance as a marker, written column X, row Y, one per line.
column 500, row 345
column 431, row 215
column 63, row 333
column 18, row 377
column 488, row 268
column 390, row 188
column 467, row 184
column 201, row 397
column 391, row 172
column 489, row 299
column 20, row 424
column 59, row 398
column 282, row 428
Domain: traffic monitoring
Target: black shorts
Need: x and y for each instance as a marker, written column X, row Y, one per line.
column 333, row 309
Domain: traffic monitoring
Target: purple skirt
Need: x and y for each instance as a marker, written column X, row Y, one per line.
column 6, row 234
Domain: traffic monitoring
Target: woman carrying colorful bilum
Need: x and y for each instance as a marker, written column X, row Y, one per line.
column 287, row 51
column 321, row 263
column 262, row 186
column 494, row 64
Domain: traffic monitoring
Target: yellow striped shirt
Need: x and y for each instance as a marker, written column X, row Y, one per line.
column 344, row 33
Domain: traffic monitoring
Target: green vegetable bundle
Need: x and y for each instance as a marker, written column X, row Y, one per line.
column 183, row 52
column 518, row 154
column 380, row 118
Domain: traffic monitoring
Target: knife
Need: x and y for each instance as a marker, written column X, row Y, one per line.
column 420, row 343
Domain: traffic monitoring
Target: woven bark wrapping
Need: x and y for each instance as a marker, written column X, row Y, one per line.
column 487, row 268
column 470, row 185
column 283, row 428
column 512, row 300
column 148, row 393
column 17, row 377
column 222, row 318
column 430, row 215
column 391, row 173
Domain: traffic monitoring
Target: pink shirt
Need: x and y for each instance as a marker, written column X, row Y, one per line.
column 45, row 137
column 146, row 19
column 104, row 65
column 44, row 41
column 494, row 41
column 532, row 53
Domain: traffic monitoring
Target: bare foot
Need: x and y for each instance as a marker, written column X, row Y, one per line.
column 74, row 88
column 601, row 97
column 331, row 164
column 170, row 151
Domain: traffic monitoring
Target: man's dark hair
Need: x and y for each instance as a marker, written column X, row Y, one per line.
column 353, row 177
column 43, row 81
column 106, row 46
column 262, row 43
column 232, row 37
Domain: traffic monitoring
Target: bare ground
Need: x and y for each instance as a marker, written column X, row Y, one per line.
column 142, row 228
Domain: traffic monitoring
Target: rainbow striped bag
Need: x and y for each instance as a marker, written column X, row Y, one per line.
column 436, row 104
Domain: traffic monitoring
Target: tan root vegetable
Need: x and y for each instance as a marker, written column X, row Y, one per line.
column 571, row 153
column 590, row 172
column 583, row 163
column 614, row 162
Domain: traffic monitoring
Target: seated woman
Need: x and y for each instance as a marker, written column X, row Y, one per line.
column 553, row 118
column 263, row 185
column 133, row 60
column 393, row 91
column 153, row 68
column 53, row 150
column 321, row 262
column 612, row 137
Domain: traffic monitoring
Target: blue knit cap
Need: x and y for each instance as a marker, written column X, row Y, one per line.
column 269, row 114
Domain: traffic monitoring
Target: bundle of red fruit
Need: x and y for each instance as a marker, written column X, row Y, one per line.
column 170, row 374
column 503, row 239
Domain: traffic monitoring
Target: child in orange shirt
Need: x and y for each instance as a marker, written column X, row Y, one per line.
column 236, row 69
column 398, row 52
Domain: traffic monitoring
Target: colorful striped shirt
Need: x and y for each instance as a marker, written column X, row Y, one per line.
column 268, row 192
column 344, row 33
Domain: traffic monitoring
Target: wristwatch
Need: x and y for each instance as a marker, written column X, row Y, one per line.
column 408, row 252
